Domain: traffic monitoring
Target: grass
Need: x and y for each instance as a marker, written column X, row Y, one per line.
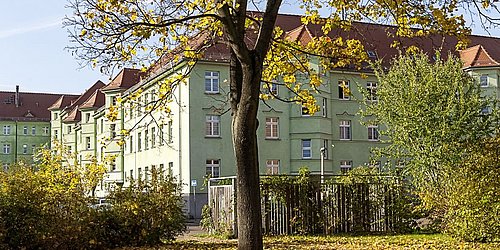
column 411, row 241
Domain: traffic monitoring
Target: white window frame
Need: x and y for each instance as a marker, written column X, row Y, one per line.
column 6, row 149
column 25, row 149
column 324, row 107
column 25, row 130
column 33, row 130
column 212, row 125
column 306, row 148
column 272, row 167
column 146, row 139
column 345, row 166
column 212, row 78
column 304, row 111
column 213, row 167
column 139, row 142
column 45, row 130
column 373, row 134
column 345, row 130
column 371, row 88
column 483, row 80
column 6, row 129
column 272, row 125
column 342, row 95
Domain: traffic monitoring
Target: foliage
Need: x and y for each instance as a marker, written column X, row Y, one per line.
column 436, row 124
column 115, row 33
column 48, row 207
column 143, row 213
column 44, row 207
column 378, row 242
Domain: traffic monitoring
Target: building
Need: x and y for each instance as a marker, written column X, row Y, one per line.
column 25, row 123
column 194, row 139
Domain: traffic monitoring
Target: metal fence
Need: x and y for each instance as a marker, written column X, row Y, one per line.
column 311, row 209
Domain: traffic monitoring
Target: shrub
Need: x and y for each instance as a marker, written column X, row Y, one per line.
column 143, row 213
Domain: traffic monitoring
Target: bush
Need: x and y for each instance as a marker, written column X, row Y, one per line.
column 49, row 207
column 143, row 213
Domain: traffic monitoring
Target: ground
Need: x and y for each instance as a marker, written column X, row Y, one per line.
column 195, row 238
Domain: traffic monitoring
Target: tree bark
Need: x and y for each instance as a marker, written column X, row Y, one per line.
column 246, row 79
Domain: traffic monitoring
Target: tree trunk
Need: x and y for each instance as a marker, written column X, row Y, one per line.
column 245, row 104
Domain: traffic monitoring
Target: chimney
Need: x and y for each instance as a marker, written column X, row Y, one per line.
column 17, row 97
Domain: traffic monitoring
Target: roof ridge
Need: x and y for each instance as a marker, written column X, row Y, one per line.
column 487, row 54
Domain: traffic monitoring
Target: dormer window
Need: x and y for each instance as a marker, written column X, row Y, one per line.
column 371, row 54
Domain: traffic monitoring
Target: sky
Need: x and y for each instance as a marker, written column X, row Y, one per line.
column 32, row 48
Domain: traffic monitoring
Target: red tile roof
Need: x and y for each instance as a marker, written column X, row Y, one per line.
column 96, row 100
column 477, row 56
column 125, row 79
column 32, row 106
column 63, row 102
column 74, row 113
column 375, row 37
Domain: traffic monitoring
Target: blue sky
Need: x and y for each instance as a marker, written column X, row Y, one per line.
column 32, row 42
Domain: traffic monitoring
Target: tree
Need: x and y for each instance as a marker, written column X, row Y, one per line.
column 438, row 122
column 137, row 32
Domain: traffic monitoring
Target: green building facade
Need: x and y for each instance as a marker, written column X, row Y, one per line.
column 193, row 140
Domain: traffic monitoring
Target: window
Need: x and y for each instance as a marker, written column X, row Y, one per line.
column 146, row 139
column 102, row 125
column 273, row 166
column 131, row 174
column 161, row 134
column 345, row 166
column 69, row 129
column 45, row 130
column 131, row 148
column 373, row 133
column 344, row 90
column 371, row 54
column 112, row 130
column 324, row 107
column 345, row 130
column 211, row 82
column 212, row 126
column 305, row 111
column 146, row 174
column 272, row 88
column 6, row 130
column 371, row 88
column 112, row 165
column 25, row 130
column 33, row 149
column 87, row 140
column 113, row 101
column 325, row 151
column 483, row 81
column 213, row 168
column 33, row 130
column 170, row 132
column 56, row 134
column 56, row 116
column 153, row 137
column 306, row 149
column 272, row 127
column 139, row 142
column 139, row 174
column 87, row 117
column 170, row 168
column 25, row 148
column 6, row 149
